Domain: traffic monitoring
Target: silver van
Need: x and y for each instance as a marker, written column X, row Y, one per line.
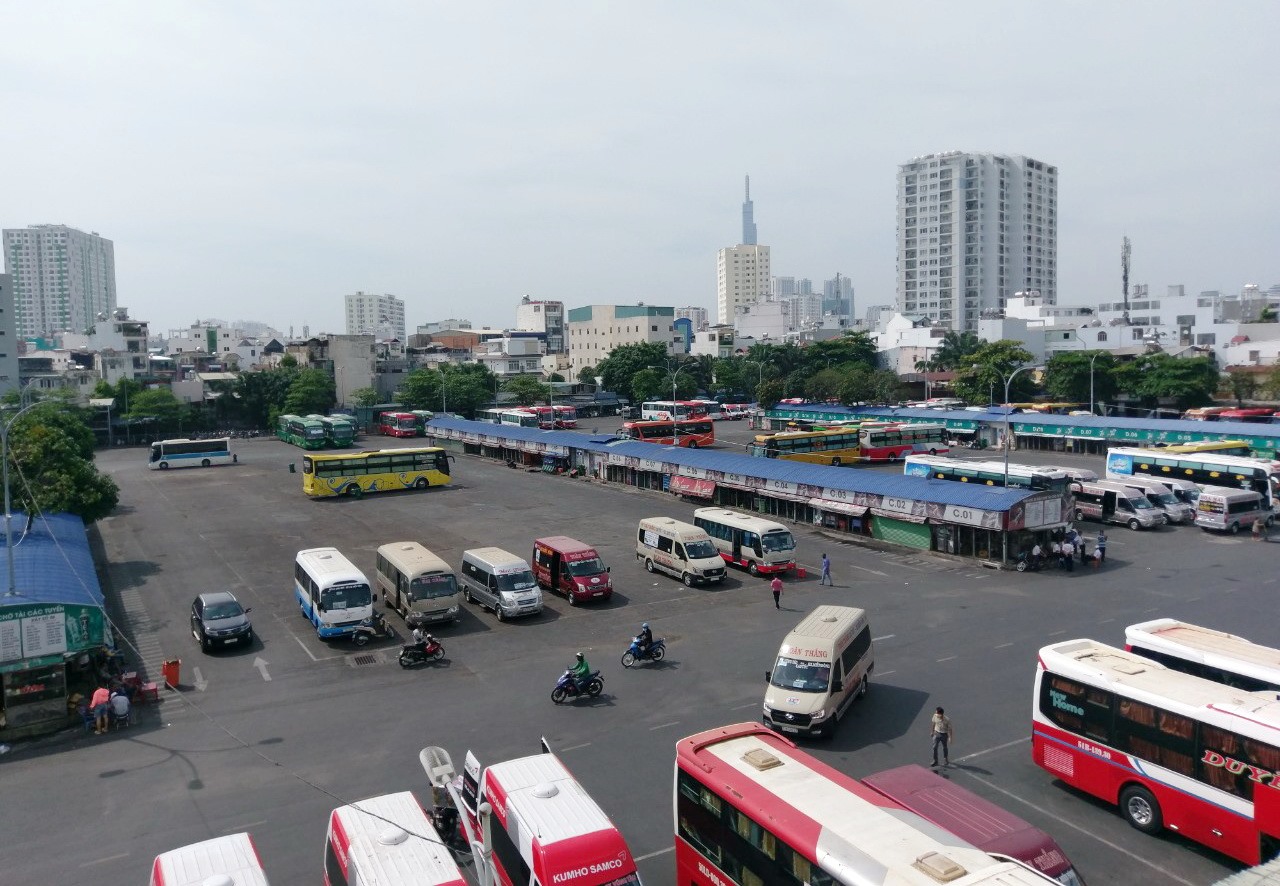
column 1183, row 490
column 1112, row 502
column 1175, row 509
column 678, row 549
column 1227, row 509
column 501, row 581
column 822, row 666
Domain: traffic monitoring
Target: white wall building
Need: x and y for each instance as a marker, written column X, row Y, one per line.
column 761, row 321
column 742, row 278
column 381, row 316
column 8, row 336
column 199, row 338
column 717, row 341
column 509, row 357
column 120, row 345
column 695, row 315
column 973, row 229
column 62, row 278
column 595, row 330
column 543, row 316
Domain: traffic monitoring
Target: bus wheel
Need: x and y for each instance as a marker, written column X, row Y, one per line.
column 421, row 483
column 893, row 456
column 164, row 466
column 693, row 444
column 835, row 461
column 1141, row 809
column 353, row 490
column 204, row 463
column 753, row 568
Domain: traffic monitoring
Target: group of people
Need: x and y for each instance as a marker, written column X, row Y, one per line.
column 106, row 703
column 1066, row 545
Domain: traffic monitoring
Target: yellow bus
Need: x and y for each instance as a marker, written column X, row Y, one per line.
column 378, row 470
column 833, row 446
column 1221, row 447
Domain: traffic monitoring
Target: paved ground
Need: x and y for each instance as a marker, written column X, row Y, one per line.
column 269, row 739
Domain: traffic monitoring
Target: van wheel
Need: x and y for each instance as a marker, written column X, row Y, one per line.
column 648, row 565
column 866, row 684
column 1141, row 809
column 687, row 578
column 1233, row 528
column 421, row 483
column 1079, row 515
column 573, row 601
column 1134, row 524
column 753, row 568
column 497, row 610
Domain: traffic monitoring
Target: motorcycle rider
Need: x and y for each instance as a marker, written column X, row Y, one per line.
column 644, row 639
column 420, row 639
column 580, row 671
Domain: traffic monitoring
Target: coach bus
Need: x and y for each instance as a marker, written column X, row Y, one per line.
column 398, row 424
column 546, row 416
column 331, row 592
column 1203, row 652
column 566, row 417
column 986, row 473
column 879, row 443
column 751, row 808
column 520, row 418
column 377, row 470
column 1202, row 468
column 666, row 410
column 1251, row 415
column 1217, row 447
column 305, row 433
column 421, row 418
column 339, row 431
column 758, row 545
column 1170, row 749
column 387, row 841
column 693, row 433
column 185, row 453
column 831, row 446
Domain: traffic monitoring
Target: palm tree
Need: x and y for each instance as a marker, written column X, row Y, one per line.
column 955, row 350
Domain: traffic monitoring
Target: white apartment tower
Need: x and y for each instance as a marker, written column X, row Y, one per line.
column 973, row 229
column 381, row 316
column 533, row 315
column 62, row 278
column 696, row 316
column 742, row 278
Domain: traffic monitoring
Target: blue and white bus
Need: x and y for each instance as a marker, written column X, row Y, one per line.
column 1201, row 468
column 331, row 592
column 184, row 453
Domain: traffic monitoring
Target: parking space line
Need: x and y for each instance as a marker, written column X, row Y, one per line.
column 872, row 571
column 655, row 854
column 885, row 673
column 885, row 637
column 244, row 827
column 1057, row 633
column 89, row 864
column 948, row 658
column 740, row 707
column 664, row 725
column 576, row 747
column 1002, row 646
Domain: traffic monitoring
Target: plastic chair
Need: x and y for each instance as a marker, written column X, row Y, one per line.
column 86, row 717
column 120, row 721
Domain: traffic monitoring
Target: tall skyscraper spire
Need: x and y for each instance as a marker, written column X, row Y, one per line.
column 748, row 219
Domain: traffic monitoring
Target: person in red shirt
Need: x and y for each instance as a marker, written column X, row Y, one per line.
column 99, row 703
column 776, row 587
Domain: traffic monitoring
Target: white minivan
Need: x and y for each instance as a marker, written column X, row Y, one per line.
column 1227, row 509
column 501, row 581
column 679, row 549
column 822, row 666
column 1175, row 509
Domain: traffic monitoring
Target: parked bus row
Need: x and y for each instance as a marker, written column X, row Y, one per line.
column 848, row 444
column 545, row 417
column 316, row 431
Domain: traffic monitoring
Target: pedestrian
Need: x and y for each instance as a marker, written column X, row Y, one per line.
column 826, row 572
column 941, row 732
column 1068, row 561
column 1257, row 530
column 1100, row 546
column 776, row 587
column 99, row 703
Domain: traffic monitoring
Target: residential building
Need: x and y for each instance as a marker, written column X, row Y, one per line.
column 696, row 316
column 443, row 325
column 973, row 229
column 8, row 336
column 761, row 321
column 119, row 345
column 546, row 317
column 595, row 330
column 718, row 341
column 381, row 316
column 203, row 338
column 512, row 356
column 802, row 310
column 62, row 278
column 742, row 278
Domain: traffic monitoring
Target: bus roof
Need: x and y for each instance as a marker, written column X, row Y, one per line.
column 392, row 841
column 742, row 521
column 1209, row 458
column 1205, row 644
column 330, row 563
column 232, row 857
column 1015, row 468
column 412, row 557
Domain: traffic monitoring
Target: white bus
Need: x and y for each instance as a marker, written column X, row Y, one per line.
column 418, row 584
column 985, row 473
column 519, row 418
column 1201, row 468
column 184, row 453
column 387, row 841
column 1204, row 652
column 229, row 859
column 665, row 410
column 754, row 543
column 331, row 592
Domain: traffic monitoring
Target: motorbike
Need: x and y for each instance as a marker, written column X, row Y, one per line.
column 567, row 687
column 448, row 825
column 410, row 654
column 374, row 627
column 1028, row 563
column 657, row 649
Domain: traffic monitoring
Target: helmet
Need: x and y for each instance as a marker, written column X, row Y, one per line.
column 644, row 626
column 579, row 656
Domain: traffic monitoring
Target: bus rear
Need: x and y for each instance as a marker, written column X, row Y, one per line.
column 229, row 859
column 387, row 841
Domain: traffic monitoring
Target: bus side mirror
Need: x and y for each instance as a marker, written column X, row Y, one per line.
column 608, row 569
column 768, row 675
column 837, row 686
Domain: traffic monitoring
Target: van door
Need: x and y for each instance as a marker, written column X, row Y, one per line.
column 491, row 589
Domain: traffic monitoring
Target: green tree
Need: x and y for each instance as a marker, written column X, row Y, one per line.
column 157, row 406
column 768, row 393
column 886, row 387
column 989, row 367
column 51, row 466
column 261, row 395
column 1067, row 376
column 647, row 384
column 1243, row 385
column 957, row 350
column 364, row 397
column 527, row 390
column 587, row 375
column 1187, row 382
column 857, row 385
column 824, row 384
column 556, row 377
column 288, row 361
column 466, row 392
column 312, row 392
column 1271, row 384
column 421, row 390
column 625, row 361
column 852, row 348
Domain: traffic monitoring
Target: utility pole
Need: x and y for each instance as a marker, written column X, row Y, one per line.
column 1125, row 251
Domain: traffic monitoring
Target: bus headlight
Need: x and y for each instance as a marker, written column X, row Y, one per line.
column 819, row 715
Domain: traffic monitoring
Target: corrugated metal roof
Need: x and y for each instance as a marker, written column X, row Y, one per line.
column 947, row 492
column 52, row 562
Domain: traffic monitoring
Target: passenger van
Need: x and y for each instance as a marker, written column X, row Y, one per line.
column 822, row 666
column 229, row 859
column 1227, row 509
column 679, row 549
column 418, row 584
column 386, row 839
column 974, row 820
column 574, row 569
column 1175, row 509
column 1183, row 490
column 500, row 581
column 1112, row 502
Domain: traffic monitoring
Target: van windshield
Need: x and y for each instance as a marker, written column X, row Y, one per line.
column 1141, row 504
column 583, row 568
column 700, row 550
column 774, row 542
column 805, row 676
column 1190, row 496
column 516, row 581
column 427, row 587
column 346, row 597
column 1163, row 498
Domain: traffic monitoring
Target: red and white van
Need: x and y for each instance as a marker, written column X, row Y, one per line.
column 389, row 841
column 229, row 859
column 572, row 568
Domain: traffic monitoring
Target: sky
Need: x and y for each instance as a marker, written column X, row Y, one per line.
column 257, row 161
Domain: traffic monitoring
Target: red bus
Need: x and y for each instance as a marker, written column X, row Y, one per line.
column 693, row 433
column 1264, row 416
column 398, row 424
column 1170, row 749
column 892, row 442
column 566, row 417
column 546, row 416
column 752, row 808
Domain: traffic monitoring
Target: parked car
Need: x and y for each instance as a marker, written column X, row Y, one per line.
column 218, row 619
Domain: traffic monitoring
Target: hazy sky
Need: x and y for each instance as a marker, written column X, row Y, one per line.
column 260, row 160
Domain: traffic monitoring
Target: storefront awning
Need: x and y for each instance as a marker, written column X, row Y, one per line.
column 898, row 515
column 691, row 486
column 782, row 496
column 838, row 507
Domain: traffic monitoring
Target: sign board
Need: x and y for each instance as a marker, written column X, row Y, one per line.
column 53, row 629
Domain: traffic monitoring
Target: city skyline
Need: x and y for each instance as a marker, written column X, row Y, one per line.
column 250, row 182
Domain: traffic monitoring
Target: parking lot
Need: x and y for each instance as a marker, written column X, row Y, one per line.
column 271, row 737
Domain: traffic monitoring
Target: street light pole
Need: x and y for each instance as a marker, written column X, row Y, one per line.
column 1008, row 382
column 8, row 511
column 1091, row 359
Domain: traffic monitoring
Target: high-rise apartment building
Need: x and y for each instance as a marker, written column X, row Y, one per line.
column 698, row 318
column 381, row 316
column 973, row 229
column 543, row 316
column 742, row 278
column 63, row 279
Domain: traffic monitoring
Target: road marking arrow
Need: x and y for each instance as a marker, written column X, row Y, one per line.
column 201, row 683
column 261, row 665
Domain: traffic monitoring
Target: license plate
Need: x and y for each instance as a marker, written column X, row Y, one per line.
column 788, row 729
column 598, row 594
column 232, row 640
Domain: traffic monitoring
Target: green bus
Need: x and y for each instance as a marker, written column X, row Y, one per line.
column 307, row 433
column 338, row 430
column 420, row 418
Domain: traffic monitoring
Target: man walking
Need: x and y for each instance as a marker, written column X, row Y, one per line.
column 941, row 732
column 826, row 572
column 776, row 587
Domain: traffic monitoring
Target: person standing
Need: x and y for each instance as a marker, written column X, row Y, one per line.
column 826, row 572
column 942, row 733
column 99, row 703
column 1068, row 561
column 1101, row 546
column 1257, row 530
column 776, row 587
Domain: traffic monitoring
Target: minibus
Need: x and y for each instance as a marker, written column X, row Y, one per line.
column 822, row 666
column 229, row 859
column 501, row 581
column 678, row 549
column 754, row 543
column 572, row 568
column 1227, row 510
column 1175, row 509
column 331, row 592
column 388, row 841
column 1110, row 502
column 417, row 584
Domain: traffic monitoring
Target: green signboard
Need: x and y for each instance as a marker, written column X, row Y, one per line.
column 47, row 631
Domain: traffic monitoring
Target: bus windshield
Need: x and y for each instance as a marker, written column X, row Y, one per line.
column 346, row 597
column 582, row 568
column 516, row 581
column 802, row 676
column 700, row 550
column 773, row 542
column 427, row 587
